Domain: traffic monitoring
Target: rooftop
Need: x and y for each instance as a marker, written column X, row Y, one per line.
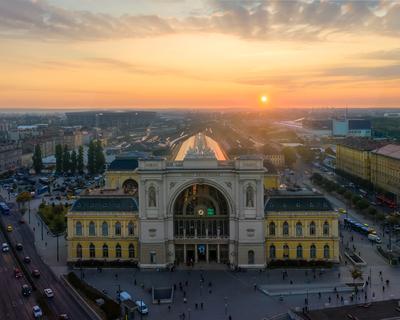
column 390, row 150
column 105, row 204
column 359, row 124
column 123, row 164
column 200, row 146
column 361, row 143
column 301, row 201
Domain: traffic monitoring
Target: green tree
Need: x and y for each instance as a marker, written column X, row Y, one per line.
column 22, row 199
column 355, row 274
column 372, row 211
column 59, row 158
column 362, row 204
column 348, row 195
column 37, row 159
column 73, row 163
column 290, row 156
column 66, row 159
column 306, row 153
column 91, row 166
column 100, row 160
column 80, row 165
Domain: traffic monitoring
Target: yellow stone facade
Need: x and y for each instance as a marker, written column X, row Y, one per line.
column 385, row 173
column 354, row 161
column 126, row 238
column 306, row 236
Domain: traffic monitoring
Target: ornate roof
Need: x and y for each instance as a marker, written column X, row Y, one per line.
column 104, row 204
column 297, row 203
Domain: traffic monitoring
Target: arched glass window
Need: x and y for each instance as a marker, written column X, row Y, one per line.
column 250, row 257
column 105, row 251
column 326, row 228
column 272, row 228
column 79, row 250
column 92, row 251
column 312, row 228
column 299, row 252
column 326, row 252
column 286, row 251
column 118, row 229
column 272, row 252
column 92, row 229
column 131, row 251
column 131, row 229
column 299, row 229
column 152, row 197
column 118, row 251
column 285, row 228
column 104, row 229
column 78, row 229
column 313, row 251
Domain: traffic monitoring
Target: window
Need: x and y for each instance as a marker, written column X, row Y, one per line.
column 105, row 251
column 92, row 229
column 79, row 251
column 131, row 251
column 286, row 251
column 299, row 229
column 326, row 252
column 131, row 229
column 272, row 252
column 153, row 256
column 326, row 228
column 299, row 252
column 92, row 251
column 78, row 229
column 118, row 251
column 250, row 257
column 313, row 251
column 272, row 229
column 285, row 229
column 118, row 229
column 104, row 229
column 312, row 228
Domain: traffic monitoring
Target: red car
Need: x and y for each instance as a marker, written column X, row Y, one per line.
column 17, row 273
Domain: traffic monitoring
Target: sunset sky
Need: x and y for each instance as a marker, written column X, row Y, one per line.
column 199, row 53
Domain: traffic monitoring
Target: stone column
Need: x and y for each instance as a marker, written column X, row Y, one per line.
column 184, row 253
column 207, row 252
column 218, row 258
column 196, row 258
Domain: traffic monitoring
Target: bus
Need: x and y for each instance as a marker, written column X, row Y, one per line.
column 358, row 227
column 4, row 208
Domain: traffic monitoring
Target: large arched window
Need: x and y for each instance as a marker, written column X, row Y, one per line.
column 78, row 228
column 272, row 228
column 131, row 229
column 117, row 228
column 92, row 229
column 299, row 252
column 152, row 197
column 326, row 252
column 312, row 228
column 313, row 251
column 272, row 252
column 92, row 251
column 250, row 257
column 104, row 229
column 326, row 228
column 130, row 186
column 285, row 228
column 105, row 251
column 118, row 251
column 299, row 229
column 79, row 251
column 286, row 251
column 131, row 251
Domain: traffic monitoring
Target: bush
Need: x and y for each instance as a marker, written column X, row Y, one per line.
column 381, row 216
column 372, row 211
column 348, row 195
column 355, row 198
column 341, row 190
column 362, row 204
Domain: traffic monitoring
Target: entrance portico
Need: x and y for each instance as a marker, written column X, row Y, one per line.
column 201, row 252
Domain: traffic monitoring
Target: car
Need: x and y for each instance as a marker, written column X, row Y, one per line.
column 27, row 259
column 26, row 290
column 37, row 312
column 5, row 247
column 49, row 293
column 342, row 211
column 142, row 307
column 36, row 273
column 21, row 221
column 17, row 273
column 9, row 228
column 63, row 316
column 19, row 246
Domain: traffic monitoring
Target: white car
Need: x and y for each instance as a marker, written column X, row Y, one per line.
column 142, row 307
column 37, row 312
column 49, row 293
column 5, row 247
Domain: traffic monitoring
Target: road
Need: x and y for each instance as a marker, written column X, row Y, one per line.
column 62, row 302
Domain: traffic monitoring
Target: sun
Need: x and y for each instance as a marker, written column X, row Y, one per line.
column 264, row 99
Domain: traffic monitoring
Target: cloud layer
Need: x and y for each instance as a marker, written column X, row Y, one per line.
column 250, row 19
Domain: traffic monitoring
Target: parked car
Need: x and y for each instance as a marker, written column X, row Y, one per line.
column 9, row 228
column 36, row 273
column 17, row 273
column 26, row 290
column 5, row 247
column 37, row 312
column 63, row 316
column 19, row 246
column 374, row 238
column 49, row 293
column 142, row 307
column 27, row 259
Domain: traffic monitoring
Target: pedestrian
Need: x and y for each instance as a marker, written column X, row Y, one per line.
column 329, row 299
column 338, row 275
column 186, row 283
column 196, row 306
column 291, row 281
column 183, row 316
column 230, row 317
column 184, row 294
column 116, row 276
column 210, row 284
column 134, row 282
column 201, row 305
column 174, row 287
column 209, row 291
column 169, row 308
column 383, row 288
column 184, row 300
column 45, row 244
column 373, row 295
column 341, row 299
column 380, row 273
column 319, row 295
column 255, row 287
column 387, row 282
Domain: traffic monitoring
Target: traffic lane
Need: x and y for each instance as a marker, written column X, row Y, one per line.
column 12, row 304
column 62, row 302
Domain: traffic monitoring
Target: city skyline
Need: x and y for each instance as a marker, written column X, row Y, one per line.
column 199, row 53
